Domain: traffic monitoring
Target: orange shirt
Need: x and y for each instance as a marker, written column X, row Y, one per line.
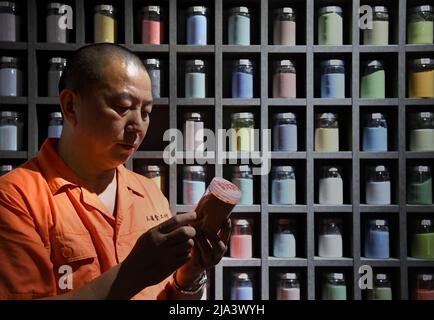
column 48, row 219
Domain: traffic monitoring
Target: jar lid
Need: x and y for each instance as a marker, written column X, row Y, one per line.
column 424, row 115
column 425, row 8
column 381, row 276
column 242, row 115
column 104, row 7
column 374, row 63
column 379, row 222
column 241, row 276
column 421, row 169
column 195, row 62
column 288, row 276
column 152, row 62
column 336, row 276
column 57, row 60
column 331, row 169
column 284, row 221
column 243, row 62
column 425, row 222
column 285, row 10
column 425, row 277
column 285, row 63
column 375, row 116
column 54, row 5
column 379, row 168
column 330, row 9
column 327, row 116
column 244, row 168
column 151, row 168
column 224, row 190
column 333, row 62
column 422, row 61
column 151, row 9
column 285, row 115
column 9, row 59
column 9, row 114
column 239, row 10
column 241, row 222
column 6, row 167
column 197, row 9
column 194, row 168
column 283, row 169
column 9, row 4
column 56, row 115
column 380, row 9
column 194, row 115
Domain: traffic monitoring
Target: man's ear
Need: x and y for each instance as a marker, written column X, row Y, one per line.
column 68, row 104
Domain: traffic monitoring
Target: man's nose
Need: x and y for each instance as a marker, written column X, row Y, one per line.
column 135, row 122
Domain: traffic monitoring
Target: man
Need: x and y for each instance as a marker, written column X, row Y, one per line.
column 75, row 223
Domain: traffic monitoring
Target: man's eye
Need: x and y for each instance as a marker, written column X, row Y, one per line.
column 120, row 109
column 145, row 114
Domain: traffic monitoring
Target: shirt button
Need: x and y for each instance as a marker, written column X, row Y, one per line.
column 66, row 252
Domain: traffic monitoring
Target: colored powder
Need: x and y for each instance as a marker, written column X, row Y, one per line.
column 378, row 35
column 53, row 32
column 242, row 85
column 192, row 191
column 11, row 82
column 284, row 33
column 331, row 191
column 333, row 85
column 420, row 193
column 284, row 245
column 421, row 84
column 239, row 30
column 155, row 76
column 327, row 139
column 334, row 292
column 8, row 138
column 242, row 293
column 197, row 30
column 378, row 192
column 330, row 29
column 375, row 139
column 246, row 187
column 104, row 28
column 424, row 294
column 422, row 246
column 241, row 246
column 422, row 140
column 243, row 140
column 288, row 294
column 420, row 32
column 195, row 85
column 330, row 246
column 158, row 180
column 377, row 244
column 54, row 131
column 285, row 137
column 53, row 83
column 373, row 85
column 380, row 294
column 194, row 136
column 8, row 27
column 283, row 191
column 284, row 85
column 151, row 32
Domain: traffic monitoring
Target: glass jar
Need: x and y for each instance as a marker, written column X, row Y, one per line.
column 155, row 173
column 284, row 80
column 333, row 79
column 379, row 33
column 242, row 288
column 375, row 133
column 424, row 287
column 239, row 26
column 326, row 132
column 420, row 25
column 242, row 79
column 5, row 168
column 193, row 131
column 420, row 186
column 334, row 287
column 242, row 138
column 153, row 67
column 422, row 131
column 11, row 77
column 283, row 185
column 9, row 22
column 195, row 79
column 285, row 132
column 330, row 238
column 241, row 239
column 377, row 239
column 11, row 131
column 284, row 244
column 193, row 184
column 197, row 25
column 105, row 24
column 422, row 245
column 242, row 177
column 151, row 25
column 56, row 66
column 284, row 29
column 330, row 26
column 55, row 125
column 55, row 31
column 421, row 78
column 331, row 189
column 382, row 289
column 373, row 83
column 378, row 186
column 288, row 287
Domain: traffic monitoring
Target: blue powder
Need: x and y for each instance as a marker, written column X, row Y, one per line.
column 195, row 85
column 377, row 244
column 333, row 85
column 197, row 30
column 374, row 139
column 283, row 191
column 192, row 191
column 54, row 131
column 285, row 137
column 239, row 30
column 242, row 85
column 246, row 187
column 242, row 293
column 11, row 82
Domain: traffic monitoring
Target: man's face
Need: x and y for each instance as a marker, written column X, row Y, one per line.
column 113, row 117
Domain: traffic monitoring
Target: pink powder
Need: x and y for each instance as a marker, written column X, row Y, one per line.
column 288, row 294
column 423, row 294
column 151, row 32
column 241, row 246
column 284, row 85
column 284, row 33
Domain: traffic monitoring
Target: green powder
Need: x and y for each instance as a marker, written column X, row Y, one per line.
column 330, row 30
column 380, row 294
column 420, row 193
column 420, row 32
column 373, row 85
column 334, row 292
column 422, row 246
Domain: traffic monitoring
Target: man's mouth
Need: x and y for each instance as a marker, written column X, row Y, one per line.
column 128, row 146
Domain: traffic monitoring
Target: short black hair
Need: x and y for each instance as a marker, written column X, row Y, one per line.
column 85, row 65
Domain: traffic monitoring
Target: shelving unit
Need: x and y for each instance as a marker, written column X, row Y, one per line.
column 168, row 110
